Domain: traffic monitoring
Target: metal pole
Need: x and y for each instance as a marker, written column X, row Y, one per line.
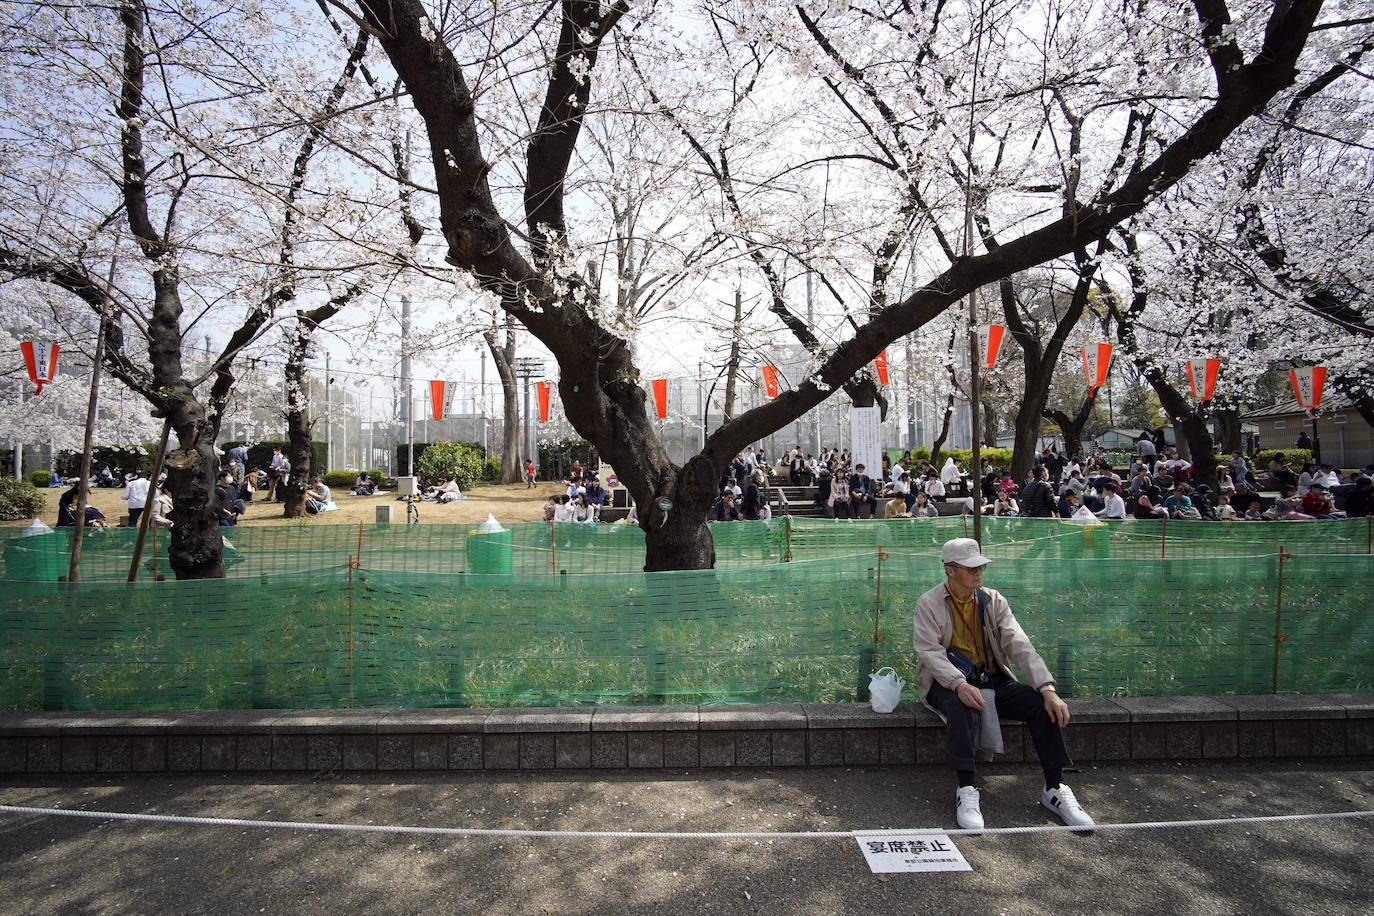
column 976, row 458
column 328, row 419
column 406, row 418
column 811, row 323
column 143, row 521
column 482, row 397
column 528, row 449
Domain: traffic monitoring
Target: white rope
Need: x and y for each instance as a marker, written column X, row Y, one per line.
column 664, row 835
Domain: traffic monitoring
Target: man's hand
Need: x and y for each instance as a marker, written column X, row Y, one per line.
column 1056, row 707
column 972, row 697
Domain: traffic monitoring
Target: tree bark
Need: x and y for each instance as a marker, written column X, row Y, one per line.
column 503, row 355
column 1071, row 427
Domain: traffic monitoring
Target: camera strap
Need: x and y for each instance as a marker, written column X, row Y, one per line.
column 983, row 623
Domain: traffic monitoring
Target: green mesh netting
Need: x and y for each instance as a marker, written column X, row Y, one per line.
column 797, row 610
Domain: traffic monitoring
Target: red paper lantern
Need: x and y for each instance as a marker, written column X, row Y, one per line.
column 1307, row 385
column 1097, row 359
column 770, row 380
column 41, row 361
column 543, row 390
column 1202, row 377
column 880, row 362
column 661, row 397
column 989, row 345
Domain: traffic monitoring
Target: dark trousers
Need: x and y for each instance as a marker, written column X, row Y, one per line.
column 134, row 515
column 1014, row 701
column 856, row 501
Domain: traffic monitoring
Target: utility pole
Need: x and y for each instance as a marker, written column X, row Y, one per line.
column 527, row 368
column 328, row 420
column 482, row 396
column 811, row 323
column 407, row 421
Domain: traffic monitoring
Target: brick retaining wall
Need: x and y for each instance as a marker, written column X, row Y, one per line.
column 618, row 737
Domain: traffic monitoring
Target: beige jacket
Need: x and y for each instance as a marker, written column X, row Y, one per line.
column 933, row 629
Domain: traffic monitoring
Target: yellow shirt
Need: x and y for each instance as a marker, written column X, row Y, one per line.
column 968, row 629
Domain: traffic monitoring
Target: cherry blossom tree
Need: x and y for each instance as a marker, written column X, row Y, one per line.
column 1214, row 65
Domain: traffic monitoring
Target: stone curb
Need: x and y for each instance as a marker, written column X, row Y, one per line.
column 631, row 737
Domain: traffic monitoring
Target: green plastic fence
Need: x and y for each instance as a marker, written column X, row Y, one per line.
column 797, row 610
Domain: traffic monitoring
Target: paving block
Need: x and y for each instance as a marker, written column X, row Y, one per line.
column 789, row 748
column 78, row 755
column 323, row 752
column 858, row 715
column 183, row 753
column 1357, row 705
column 753, row 749
column 609, row 750
column 825, row 747
column 1081, row 740
column 752, row 718
column 254, row 752
column 113, row 754
column 1183, row 740
column 645, row 718
column 1096, row 711
column 538, row 719
column 1113, row 742
column 682, row 749
column 432, row 721
column 223, row 722
column 537, row 752
column 573, row 750
column 13, row 750
column 465, row 752
column 931, row 746
column 644, row 749
column 429, row 752
column 290, row 752
column 1359, row 737
column 1292, row 738
column 717, row 749
column 1328, row 738
column 359, row 752
column 326, row 721
column 1255, row 739
column 395, row 752
column 1149, row 741
column 1176, row 709
column 219, row 752
column 1220, row 739
column 1286, row 706
column 896, row 747
column 501, row 752
column 1016, row 744
column 861, row 747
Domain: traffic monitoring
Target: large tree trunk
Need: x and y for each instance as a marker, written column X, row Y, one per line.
column 503, row 355
column 196, row 550
column 939, row 442
column 1071, row 427
column 298, row 425
column 1228, row 419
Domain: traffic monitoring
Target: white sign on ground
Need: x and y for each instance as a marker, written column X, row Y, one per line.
column 919, row 852
column 865, row 440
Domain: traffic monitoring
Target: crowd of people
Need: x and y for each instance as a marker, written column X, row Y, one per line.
column 1159, row 483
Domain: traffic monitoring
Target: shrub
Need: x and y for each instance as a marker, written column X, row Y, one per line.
column 458, row 460
column 345, row 479
column 491, row 468
column 123, row 457
column 998, row 457
column 557, row 456
column 40, row 478
column 260, row 455
column 19, row 500
column 1297, row 457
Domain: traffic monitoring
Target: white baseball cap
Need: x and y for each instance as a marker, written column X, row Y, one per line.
column 965, row 552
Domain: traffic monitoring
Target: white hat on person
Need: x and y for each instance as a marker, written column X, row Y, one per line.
column 964, row 552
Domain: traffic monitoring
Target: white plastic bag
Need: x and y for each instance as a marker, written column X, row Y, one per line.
column 885, row 690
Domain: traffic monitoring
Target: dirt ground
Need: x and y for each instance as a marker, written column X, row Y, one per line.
column 509, row 503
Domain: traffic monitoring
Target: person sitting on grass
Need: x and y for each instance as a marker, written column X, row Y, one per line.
column 66, row 512
column 231, row 504
column 364, row 485
column 448, row 491
column 550, row 507
column 317, row 497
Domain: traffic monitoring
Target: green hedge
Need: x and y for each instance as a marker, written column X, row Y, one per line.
column 1297, row 457
column 260, row 455
column 19, row 500
column 1000, row 457
column 40, row 478
column 124, row 457
column 345, row 479
column 557, row 456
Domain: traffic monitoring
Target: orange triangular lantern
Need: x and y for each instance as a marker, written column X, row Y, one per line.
column 661, row 397
column 1097, row 359
column 881, row 363
column 543, row 390
column 770, row 380
column 1307, row 385
column 989, row 345
column 441, row 397
column 1202, row 377
column 41, row 361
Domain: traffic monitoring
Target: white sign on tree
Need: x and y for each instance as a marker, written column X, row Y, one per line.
column 866, row 441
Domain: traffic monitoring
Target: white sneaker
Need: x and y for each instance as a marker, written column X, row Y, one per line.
column 966, row 810
column 1062, row 803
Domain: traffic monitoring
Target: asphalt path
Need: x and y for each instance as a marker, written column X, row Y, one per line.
column 76, row 865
